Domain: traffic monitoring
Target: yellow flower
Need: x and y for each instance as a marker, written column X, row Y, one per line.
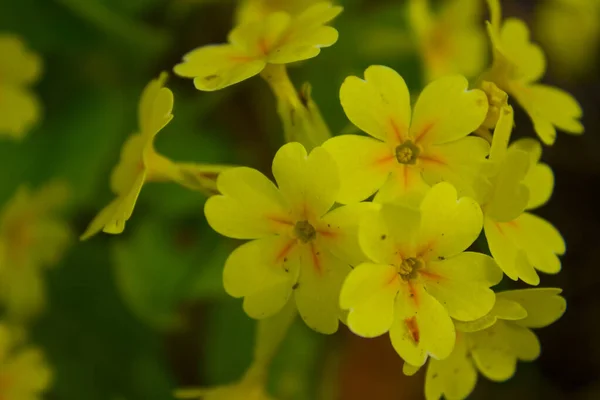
column 255, row 10
column 140, row 163
column 494, row 344
column 276, row 39
column 420, row 275
column 520, row 242
column 32, row 236
column 403, row 157
column 19, row 68
column 561, row 24
column 24, row 373
column 301, row 246
column 451, row 42
column 518, row 65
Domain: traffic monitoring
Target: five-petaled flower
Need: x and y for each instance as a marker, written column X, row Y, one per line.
column 141, row 163
column 300, row 246
column 518, row 65
column 419, row 275
column 404, row 157
column 32, row 236
column 514, row 183
column 19, row 68
column 493, row 344
column 277, row 39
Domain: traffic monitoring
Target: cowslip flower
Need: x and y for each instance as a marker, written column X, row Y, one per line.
column 140, row 163
column 300, row 247
column 451, row 40
column 19, row 69
column 276, row 39
column 24, row 373
column 403, row 157
column 560, row 24
column 33, row 236
column 518, row 66
column 493, row 345
column 420, row 276
column 519, row 241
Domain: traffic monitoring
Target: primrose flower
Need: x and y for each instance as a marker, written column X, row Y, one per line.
column 140, row 163
column 451, row 41
column 300, row 246
column 560, row 24
column 493, row 345
column 19, row 68
column 419, row 276
column 24, row 373
column 404, row 157
column 276, row 39
column 520, row 242
column 32, row 236
column 518, row 65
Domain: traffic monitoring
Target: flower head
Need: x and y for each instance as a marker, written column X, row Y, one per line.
column 19, row 68
column 450, row 42
column 405, row 154
column 300, row 247
column 518, row 65
column 278, row 38
column 517, row 182
column 32, row 236
column 493, row 345
column 419, row 276
column 24, row 374
column 256, row 10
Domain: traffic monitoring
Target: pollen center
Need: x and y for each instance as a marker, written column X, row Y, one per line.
column 407, row 153
column 409, row 267
column 305, row 231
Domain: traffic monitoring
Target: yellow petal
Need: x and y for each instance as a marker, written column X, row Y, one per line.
column 454, row 377
column 310, row 184
column 156, row 106
column 259, row 37
column 19, row 66
column 410, row 370
column 544, row 305
column 113, row 217
column 386, row 235
column 262, row 271
column 338, row 231
column 528, row 58
column 379, row 104
column 404, row 185
column 504, row 308
column 462, row 284
column 540, row 178
column 550, row 108
column 448, row 225
column 250, row 207
column 131, row 162
column 502, row 134
column 19, row 111
column 363, row 165
column 421, row 326
column 369, row 293
column 446, row 110
column 216, row 67
column 511, row 258
column 318, row 290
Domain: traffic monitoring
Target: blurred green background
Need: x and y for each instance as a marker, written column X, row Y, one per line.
column 137, row 315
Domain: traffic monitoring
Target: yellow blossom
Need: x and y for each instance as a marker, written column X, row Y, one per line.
column 277, row 39
column 405, row 154
column 517, row 182
column 420, row 275
column 140, row 163
column 255, row 10
column 451, row 40
column 24, row 373
column 518, row 66
column 300, row 247
column 570, row 33
column 19, row 69
column 493, row 345
column 32, row 236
